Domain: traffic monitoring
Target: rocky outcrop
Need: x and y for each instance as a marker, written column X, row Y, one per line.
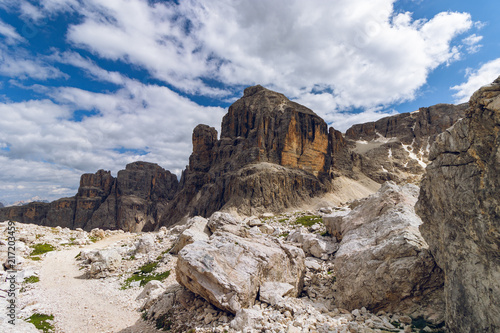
column 397, row 147
column 133, row 201
column 272, row 154
column 459, row 204
column 228, row 270
column 383, row 263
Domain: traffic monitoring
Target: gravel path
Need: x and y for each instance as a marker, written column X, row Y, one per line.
column 86, row 305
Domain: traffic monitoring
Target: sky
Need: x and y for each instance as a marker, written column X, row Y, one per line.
column 96, row 84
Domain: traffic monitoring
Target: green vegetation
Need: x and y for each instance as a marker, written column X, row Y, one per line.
column 35, row 258
column 41, row 322
column 94, row 239
column 41, row 248
column 32, row 279
column 148, row 268
column 309, row 220
column 326, row 234
column 285, row 234
column 283, row 220
column 145, row 274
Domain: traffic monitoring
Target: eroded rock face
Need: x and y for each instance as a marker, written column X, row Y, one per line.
column 228, row 270
column 383, row 263
column 459, row 204
column 397, row 147
column 272, row 154
column 133, row 201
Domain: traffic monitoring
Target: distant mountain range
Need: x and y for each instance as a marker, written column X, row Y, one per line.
column 272, row 155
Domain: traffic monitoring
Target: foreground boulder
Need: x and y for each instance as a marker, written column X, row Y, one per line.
column 228, row 270
column 383, row 263
column 460, row 205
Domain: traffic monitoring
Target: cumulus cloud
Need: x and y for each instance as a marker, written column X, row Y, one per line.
column 362, row 52
column 137, row 122
column 486, row 74
column 333, row 57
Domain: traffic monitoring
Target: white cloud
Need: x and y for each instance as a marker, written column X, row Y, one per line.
column 19, row 64
column 10, row 34
column 364, row 53
column 486, row 74
column 472, row 43
column 137, row 122
column 330, row 56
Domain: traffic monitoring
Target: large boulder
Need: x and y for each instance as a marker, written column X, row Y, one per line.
column 460, row 205
column 383, row 263
column 196, row 230
column 228, row 270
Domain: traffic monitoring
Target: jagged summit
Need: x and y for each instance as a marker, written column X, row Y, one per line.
column 272, row 155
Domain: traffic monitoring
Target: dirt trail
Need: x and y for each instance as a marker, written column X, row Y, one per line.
column 81, row 305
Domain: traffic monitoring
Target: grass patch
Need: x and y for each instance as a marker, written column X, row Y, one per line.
column 41, row 322
column 283, row 220
column 94, row 239
column 145, row 274
column 32, row 279
column 148, row 268
column 41, row 248
column 309, row 220
column 35, row 258
column 285, row 234
column 144, row 278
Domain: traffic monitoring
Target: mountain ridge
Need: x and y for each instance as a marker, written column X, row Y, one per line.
column 273, row 154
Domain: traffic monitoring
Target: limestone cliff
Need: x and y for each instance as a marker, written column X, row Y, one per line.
column 133, row 201
column 459, row 203
column 272, row 154
column 397, row 147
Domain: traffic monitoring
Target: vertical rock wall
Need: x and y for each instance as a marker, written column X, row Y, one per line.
column 459, row 203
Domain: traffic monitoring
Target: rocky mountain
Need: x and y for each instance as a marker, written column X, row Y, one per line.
column 397, row 147
column 272, row 155
column 1, row 205
column 133, row 201
column 459, row 203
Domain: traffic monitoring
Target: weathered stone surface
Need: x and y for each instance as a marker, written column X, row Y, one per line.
column 459, row 204
column 397, row 147
column 273, row 292
column 272, row 154
column 316, row 245
column 383, row 263
column 228, row 270
column 134, row 201
column 196, row 230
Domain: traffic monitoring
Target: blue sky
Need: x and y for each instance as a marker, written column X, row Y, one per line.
column 88, row 85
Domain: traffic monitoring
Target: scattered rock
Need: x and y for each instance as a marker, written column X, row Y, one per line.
column 273, row 292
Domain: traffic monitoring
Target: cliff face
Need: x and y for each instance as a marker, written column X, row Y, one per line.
column 459, row 204
column 272, row 154
column 133, row 201
column 397, row 147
